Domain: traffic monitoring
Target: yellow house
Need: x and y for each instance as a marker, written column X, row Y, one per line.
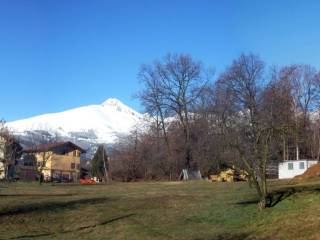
column 59, row 161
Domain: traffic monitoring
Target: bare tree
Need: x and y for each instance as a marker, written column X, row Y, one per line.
column 41, row 163
column 126, row 158
column 39, row 157
column 10, row 149
column 279, row 93
column 243, row 119
column 152, row 98
column 172, row 86
column 303, row 81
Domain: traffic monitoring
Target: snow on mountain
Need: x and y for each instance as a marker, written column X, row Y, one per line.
column 101, row 123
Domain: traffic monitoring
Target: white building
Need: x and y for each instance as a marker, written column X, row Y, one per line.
column 292, row 168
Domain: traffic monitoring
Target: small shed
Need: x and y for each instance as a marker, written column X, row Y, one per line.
column 292, row 168
column 187, row 174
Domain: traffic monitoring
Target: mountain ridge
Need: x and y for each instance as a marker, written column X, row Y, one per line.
column 103, row 122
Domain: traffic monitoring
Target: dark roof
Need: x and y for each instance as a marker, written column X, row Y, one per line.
column 53, row 146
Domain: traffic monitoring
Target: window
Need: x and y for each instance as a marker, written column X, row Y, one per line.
column 73, row 165
column 290, row 166
column 301, row 165
column 75, row 153
column 78, row 166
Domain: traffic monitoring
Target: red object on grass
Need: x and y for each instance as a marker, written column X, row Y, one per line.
column 87, row 181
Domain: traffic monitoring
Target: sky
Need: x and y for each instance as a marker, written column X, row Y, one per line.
column 57, row 55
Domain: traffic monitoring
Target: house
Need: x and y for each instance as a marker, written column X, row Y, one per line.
column 10, row 151
column 59, row 161
column 292, row 168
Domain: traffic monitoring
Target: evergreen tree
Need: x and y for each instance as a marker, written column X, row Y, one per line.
column 99, row 164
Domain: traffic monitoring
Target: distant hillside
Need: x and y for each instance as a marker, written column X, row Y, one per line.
column 86, row 126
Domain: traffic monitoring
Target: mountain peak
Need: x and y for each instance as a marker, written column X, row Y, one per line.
column 112, row 102
column 119, row 106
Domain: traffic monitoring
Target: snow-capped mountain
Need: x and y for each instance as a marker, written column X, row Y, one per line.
column 95, row 123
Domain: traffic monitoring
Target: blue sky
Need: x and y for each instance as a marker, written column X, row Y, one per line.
column 56, row 55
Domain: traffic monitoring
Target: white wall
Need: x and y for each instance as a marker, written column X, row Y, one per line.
column 285, row 172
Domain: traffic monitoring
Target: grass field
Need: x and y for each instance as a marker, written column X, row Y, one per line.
column 161, row 210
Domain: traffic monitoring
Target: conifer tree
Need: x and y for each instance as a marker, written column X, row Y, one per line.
column 99, row 164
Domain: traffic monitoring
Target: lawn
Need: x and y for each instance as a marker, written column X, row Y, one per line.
column 159, row 210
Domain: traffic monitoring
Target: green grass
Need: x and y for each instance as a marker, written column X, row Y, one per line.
column 161, row 210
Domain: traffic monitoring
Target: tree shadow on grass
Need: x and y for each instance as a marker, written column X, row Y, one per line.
column 51, row 206
column 248, row 202
column 276, row 197
column 279, row 195
column 38, row 195
column 228, row 236
column 76, row 229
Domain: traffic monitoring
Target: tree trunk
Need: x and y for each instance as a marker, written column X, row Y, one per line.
column 40, row 178
column 284, row 149
column 104, row 166
column 6, row 170
column 263, row 198
column 318, row 154
column 262, row 204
